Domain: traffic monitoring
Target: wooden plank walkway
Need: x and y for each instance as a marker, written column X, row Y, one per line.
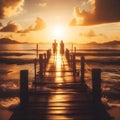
column 60, row 96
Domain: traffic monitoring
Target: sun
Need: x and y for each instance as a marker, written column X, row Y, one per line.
column 58, row 31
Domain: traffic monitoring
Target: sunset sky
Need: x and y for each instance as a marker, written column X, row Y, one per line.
column 70, row 20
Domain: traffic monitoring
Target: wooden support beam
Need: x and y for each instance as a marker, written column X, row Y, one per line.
column 48, row 54
column 24, row 87
column 82, row 70
column 41, row 65
column 96, row 84
column 35, row 66
column 67, row 55
column 45, row 61
column 37, row 51
column 74, row 64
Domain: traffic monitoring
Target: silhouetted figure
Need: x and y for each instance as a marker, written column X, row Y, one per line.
column 61, row 47
column 54, row 45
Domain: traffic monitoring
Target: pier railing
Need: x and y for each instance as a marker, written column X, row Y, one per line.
column 78, row 58
column 72, row 58
column 41, row 62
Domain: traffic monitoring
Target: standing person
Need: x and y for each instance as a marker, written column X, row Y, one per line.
column 54, row 46
column 61, row 47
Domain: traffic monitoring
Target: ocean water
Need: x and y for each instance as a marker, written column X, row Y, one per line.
column 16, row 57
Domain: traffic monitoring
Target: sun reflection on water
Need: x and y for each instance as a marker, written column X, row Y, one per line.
column 59, row 99
column 59, row 63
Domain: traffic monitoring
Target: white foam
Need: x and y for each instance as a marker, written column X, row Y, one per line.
column 9, row 102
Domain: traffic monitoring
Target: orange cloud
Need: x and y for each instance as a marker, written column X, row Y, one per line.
column 107, row 10
column 82, row 17
column 10, row 27
column 10, row 7
column 102, row 11
column 39, row 24
column 91, row 33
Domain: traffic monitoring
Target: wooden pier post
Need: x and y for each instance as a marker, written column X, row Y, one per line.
column 23, row 87
column 45, row 61
column 82, row 70
column 67, row 55
column 41, row 65
column 74, row 49
column 35, row 63
column 71, row 60
column 37, row 51
column 96, row 84
column 74, row 64
column 48, row 54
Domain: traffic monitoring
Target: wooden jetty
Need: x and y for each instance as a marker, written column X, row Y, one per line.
column 59, row 92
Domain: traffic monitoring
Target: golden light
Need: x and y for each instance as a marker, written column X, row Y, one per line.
column 58, row 31
column 59, row 68
column 80, row 20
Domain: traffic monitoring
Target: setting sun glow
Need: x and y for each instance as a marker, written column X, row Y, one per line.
column 58, row 31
